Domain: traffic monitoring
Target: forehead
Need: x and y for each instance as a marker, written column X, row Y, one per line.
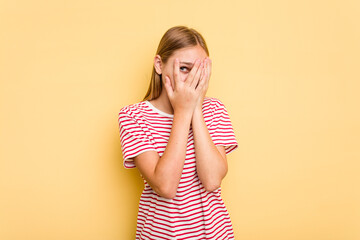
column 190, row 53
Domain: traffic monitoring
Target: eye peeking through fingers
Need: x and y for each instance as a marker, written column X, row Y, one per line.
column 184, row 69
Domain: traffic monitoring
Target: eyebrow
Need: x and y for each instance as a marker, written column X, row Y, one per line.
column 187, row 63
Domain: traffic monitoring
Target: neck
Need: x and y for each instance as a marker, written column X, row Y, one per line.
column 163, row 102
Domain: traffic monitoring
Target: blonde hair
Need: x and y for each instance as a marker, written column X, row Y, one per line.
column 175, row 38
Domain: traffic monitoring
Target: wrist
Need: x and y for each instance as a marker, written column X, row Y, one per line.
column 183, row 112
column 198, row 111
column 199, row 105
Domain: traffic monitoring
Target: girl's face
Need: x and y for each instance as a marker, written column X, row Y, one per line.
column 187, row 57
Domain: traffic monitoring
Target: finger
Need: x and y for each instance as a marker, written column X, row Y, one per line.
column 208, row 70
column 206, row 63
column 202, row 81
column 176, row 72
column 202, row 75
column 168, row 87
column 209, row 67
column 196, row 78
column 204, row 67
column 192, row 73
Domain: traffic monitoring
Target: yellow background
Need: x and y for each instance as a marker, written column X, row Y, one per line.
column 287, row 71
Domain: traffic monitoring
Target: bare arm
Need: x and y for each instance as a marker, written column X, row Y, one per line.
column 211, row 162
column 163, row 173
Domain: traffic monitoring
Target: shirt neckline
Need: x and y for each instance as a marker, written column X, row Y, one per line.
column 158, row 110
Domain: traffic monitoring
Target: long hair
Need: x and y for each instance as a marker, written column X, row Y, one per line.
column 175, row 38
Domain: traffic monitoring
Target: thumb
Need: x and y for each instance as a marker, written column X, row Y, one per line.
column 168, row 86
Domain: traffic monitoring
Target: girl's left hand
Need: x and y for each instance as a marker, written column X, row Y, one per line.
column 205, row 76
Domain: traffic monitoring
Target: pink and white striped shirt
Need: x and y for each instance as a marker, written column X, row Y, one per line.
column 194, row 213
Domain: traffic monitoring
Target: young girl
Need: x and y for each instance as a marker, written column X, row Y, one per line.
column 178, row 139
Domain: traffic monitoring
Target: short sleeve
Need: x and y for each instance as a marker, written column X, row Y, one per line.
column 221, row 129
column 133, row 139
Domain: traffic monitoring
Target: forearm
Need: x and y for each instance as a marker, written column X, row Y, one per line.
column 169, row 167
column 210, row 165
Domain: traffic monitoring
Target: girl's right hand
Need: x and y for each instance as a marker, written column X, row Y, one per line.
column 185, row 94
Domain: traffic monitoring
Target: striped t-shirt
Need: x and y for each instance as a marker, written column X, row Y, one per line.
column 194, row 213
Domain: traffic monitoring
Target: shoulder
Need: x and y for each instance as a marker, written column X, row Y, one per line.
column 133, row 109
column 215, row 109
column 212, row 103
